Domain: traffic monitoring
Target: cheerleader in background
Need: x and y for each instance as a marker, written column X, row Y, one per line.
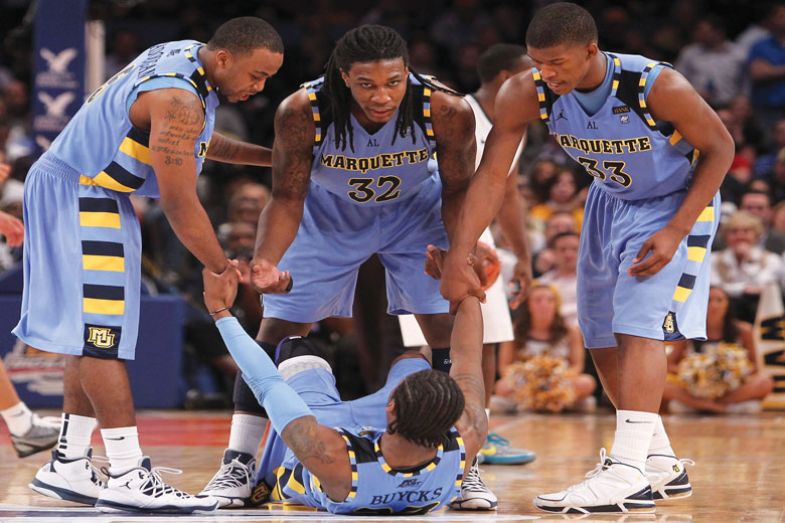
column 543, row 371
column 718, row 375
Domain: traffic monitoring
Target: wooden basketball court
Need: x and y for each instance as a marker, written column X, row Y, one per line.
column 739, row 473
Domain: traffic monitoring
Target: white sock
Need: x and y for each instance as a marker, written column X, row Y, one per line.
column 75, row 434
column 246, row 433
column 18, row 418
column 122, row 449
column 660, row 444
column 633, row 435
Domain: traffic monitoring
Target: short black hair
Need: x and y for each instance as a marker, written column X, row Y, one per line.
column 498, row 58
column 427, row 404
column 561, row 23
column 244, row 35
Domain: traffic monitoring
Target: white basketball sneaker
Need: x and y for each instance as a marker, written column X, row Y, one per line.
column 141, row 489
column 475, row 495
column 69, row 479
column 668, row 477
column 232, row 484
column 610, row 488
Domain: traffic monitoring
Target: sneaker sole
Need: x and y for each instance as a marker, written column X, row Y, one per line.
column 631, row 508
column 474, row 505
column 673, row 495
column 60, row 493
column 225, row 502
column 111, row 506
column 508, row 460
column 28, row 449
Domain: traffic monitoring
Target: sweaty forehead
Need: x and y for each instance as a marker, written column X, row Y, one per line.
column 378, row 68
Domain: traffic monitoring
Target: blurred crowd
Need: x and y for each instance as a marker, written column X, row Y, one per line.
column 733, row 55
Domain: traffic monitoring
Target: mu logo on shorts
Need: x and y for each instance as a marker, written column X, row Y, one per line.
column 101, row 337
column 101, row 341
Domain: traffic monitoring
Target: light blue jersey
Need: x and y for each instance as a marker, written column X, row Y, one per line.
column 642, row 169
column 82, row 251
column 627, row 152
column 101, row 143
column 378, row 489
column 380, row 193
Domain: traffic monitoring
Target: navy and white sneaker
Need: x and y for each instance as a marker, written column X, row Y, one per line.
column 74, row 480
column 668, row 477
column 141, row 489
column 232, row 485
column 612, row 487
column 475, row 494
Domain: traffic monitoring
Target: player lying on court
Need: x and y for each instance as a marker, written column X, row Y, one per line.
column 427, row 425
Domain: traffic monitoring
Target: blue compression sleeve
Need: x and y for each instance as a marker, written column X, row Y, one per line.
column 282, row 403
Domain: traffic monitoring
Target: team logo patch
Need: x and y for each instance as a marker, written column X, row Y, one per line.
column 624, row 119
column 621, row 109
column 408, row 483
column 669, row 325
column 260, row 494
column 101, row 341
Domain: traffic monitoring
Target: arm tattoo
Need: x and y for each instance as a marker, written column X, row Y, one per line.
column 224, row 148
column 301, row 435
column 292, row 152
column 474, row 395
column 182, row 123
column 454, row 137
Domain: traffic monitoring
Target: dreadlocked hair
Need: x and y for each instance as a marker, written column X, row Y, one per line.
column 367, row 43
column 427, row 405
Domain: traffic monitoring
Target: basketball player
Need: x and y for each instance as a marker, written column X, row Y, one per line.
column 146, row 131
column 658, row 154
column 426, row 425
column 353, row 176
column 495, row 65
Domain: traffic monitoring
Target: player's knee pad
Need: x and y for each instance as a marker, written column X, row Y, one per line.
column 297, row 354
column 294, row 346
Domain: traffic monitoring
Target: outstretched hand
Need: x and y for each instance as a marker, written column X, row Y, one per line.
column 220, row 290
column 660, row 249
column 459, row 277
column 12, row 229
column 486, row 263
column 267, row 279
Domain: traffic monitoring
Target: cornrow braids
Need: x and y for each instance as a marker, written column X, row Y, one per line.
column 367, row 43
column 427, row 404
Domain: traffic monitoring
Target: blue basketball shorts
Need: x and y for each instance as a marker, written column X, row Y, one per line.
column 81, row 266
column 335, row 237
column 668, row 305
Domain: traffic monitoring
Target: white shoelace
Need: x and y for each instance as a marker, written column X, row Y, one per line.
column 156, row 487
column 473, row 482
column 232, row 474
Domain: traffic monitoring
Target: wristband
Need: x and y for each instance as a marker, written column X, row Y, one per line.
column 213, row 313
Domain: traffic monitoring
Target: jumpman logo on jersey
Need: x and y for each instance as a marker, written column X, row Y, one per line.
column 560, row 116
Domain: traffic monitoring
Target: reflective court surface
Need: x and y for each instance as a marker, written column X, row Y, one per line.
column 739, row 473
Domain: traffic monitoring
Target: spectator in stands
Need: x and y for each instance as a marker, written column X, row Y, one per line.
column 744, row 268
column 767, row 70
column 543, row 259
column 562, row 196
column 758, row 203
column 712, row 64
column 564, row 274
